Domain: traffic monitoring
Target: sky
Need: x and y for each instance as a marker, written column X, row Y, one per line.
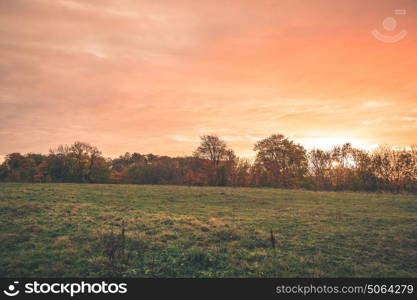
column 153, row 76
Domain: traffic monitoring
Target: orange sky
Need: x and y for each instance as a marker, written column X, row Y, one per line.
column 151, row 76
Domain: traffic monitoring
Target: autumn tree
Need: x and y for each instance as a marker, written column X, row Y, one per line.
column 283, row 162
column 79, row 162
column 240, row 172
column 212, row 148
column 4, row 172
column 320, row 164
column 85, row 156
column 395, row 168
column 279, row 163
column 215, row 150
column 19, row 167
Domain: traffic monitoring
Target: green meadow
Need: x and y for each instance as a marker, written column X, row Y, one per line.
column 87, row 230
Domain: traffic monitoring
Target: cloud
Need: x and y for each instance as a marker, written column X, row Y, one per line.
column 153, row 76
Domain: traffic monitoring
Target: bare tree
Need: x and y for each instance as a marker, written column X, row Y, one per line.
column 214, row 149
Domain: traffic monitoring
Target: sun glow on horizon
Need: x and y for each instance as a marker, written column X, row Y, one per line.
column 335, row 164
column 327, row 143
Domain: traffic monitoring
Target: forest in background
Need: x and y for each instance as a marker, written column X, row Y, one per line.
column 279, row 162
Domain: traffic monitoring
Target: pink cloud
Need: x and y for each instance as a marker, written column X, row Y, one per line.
column 136, row 75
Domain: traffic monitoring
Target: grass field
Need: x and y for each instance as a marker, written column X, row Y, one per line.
column 63, row 230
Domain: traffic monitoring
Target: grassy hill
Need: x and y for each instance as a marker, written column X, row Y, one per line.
column 64, row 230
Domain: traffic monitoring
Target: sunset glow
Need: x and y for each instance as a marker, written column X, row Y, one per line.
column 153, row 76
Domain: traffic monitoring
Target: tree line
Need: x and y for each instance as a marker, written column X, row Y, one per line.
column 279, row 162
